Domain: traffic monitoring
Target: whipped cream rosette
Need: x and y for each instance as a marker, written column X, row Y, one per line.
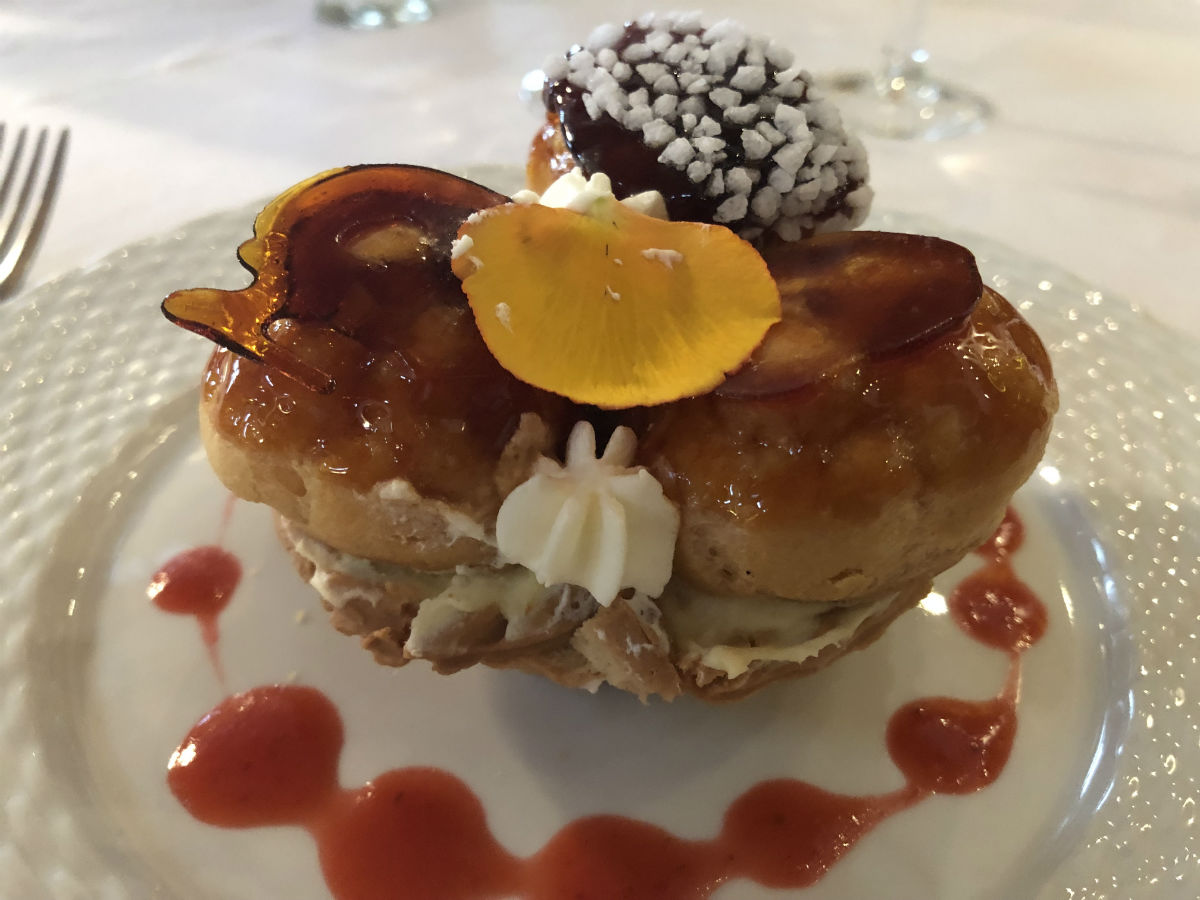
column 592, row 522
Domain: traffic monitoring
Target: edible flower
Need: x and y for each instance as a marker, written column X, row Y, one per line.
column 603, row 304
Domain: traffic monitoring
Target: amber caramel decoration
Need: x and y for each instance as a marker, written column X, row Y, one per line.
column 307, row 244
column 856, row 295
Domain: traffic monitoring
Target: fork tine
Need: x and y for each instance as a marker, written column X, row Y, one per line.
column 24, row 231
column 18, row 181
column 10, row 173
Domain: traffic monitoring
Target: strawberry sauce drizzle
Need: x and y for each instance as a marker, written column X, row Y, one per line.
column 200, row 582
column 270, row 757
column 993, row 605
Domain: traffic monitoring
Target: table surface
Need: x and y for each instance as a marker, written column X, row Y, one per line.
column 179, row 109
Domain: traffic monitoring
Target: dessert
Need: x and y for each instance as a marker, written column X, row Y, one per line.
column 723, row 123
column 563, row 435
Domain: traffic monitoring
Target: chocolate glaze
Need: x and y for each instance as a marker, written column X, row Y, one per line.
column 604, row 145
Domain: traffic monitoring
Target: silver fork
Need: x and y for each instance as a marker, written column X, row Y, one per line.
column 26, row 198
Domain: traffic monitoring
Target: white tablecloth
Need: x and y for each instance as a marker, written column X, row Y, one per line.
column 179, row 109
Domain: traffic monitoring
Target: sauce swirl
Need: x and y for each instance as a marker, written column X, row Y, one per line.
column 270, row 756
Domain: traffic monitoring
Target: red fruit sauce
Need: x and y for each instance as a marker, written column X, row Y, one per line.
column 198, row 582
column 270, row 757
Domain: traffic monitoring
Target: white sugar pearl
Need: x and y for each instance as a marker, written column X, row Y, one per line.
column 749, row 78
column 658, row 133
column 678, row 153
column 755, row 145
column 732, row 209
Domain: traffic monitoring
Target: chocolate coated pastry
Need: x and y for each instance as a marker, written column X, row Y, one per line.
column 722, row 123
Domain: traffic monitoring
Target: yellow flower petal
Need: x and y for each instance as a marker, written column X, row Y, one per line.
column 612, row 307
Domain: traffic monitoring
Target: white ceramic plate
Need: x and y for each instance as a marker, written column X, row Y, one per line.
column 102, row 479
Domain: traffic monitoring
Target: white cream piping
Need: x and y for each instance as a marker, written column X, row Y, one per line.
column 592, row 522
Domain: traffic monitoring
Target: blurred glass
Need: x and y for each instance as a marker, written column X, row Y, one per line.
column 902, row 99
column 378, row 14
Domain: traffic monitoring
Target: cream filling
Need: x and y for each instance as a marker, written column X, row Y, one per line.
column 341, row 577
column 725, row 633
column 446, row 597
column 585, row 195
column 513, row 591
column 456, row 523
column 729, row 634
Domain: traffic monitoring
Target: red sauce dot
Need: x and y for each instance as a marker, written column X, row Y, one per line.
column 998, row 609
column 1006, row 539
column 413, row 834
column 265, row 757
column 606, row 857
column 787, row 834
column 949, row 746
column 197, row 582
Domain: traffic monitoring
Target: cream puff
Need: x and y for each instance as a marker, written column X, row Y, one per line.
column 786, row 444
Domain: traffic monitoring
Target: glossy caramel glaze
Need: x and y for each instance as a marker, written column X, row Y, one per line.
column 372, row 304
column 440, row 429
column 934, row 438
column 873, row 438
column 549, row 158
column 856, row 294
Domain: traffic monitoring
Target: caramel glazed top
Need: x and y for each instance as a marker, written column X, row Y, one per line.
column 893, row 371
